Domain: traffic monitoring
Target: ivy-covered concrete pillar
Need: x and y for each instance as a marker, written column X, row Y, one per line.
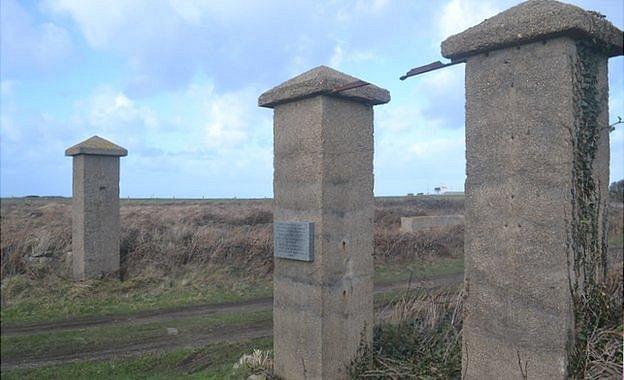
column 537, row 152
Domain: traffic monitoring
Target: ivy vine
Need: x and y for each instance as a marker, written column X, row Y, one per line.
column 589, row 240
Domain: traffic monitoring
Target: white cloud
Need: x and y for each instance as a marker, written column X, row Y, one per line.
column 112, row 111
column 196, row 119
column 168, row 43
column 351, row 10
column 438, row 148
column 341, row 56
column 371, row 6
column 421, row 156
column 459, row 15
column 222, row 11
column 26, row 44
column 102, row 21
column 229, row 119
column 396, row 119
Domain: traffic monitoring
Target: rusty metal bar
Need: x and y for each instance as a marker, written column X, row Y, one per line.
column 430, row 67
column 349, row 86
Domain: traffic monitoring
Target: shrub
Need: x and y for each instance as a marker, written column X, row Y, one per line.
column 419, row 337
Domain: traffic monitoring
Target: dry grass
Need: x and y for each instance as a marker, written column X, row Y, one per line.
column 159, row 238
column 259, row 363
column 418, row 337
column 600, row 350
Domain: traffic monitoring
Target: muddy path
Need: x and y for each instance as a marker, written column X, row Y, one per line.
column 148, row 316
column 216, row 334
column 230, row 334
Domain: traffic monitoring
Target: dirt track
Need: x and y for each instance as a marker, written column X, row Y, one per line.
column 218, row 334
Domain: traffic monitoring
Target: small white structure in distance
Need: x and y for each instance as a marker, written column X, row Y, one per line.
column 440, row 189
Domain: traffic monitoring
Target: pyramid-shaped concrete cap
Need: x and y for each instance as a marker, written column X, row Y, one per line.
column 322, row 80
column 530, row 21
column 96, row 146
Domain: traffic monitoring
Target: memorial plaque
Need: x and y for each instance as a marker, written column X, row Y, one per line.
column 294, row 240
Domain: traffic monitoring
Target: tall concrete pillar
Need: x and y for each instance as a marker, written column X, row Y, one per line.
column 537, row 152
column 95, row 207
column 323, row 180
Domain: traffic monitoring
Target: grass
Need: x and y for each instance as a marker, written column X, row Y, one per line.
column 95, row 338
column 398, row 272
column 420, row 338
column 99, row 337
column 56, row 298
column 210, row 362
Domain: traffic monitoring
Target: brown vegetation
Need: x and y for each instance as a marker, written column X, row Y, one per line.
column 160, row 238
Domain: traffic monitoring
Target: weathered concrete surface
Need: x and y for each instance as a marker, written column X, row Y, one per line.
column 323, row 147
column 95, row 207
column 417, row 223
column 531, row 21
column 322, row 80
column 522, row 117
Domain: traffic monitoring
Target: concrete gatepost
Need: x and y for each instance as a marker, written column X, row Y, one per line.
column 95, row 207
column 323, row 162
column 537, row 152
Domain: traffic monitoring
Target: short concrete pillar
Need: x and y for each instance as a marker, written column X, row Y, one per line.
column 537, row 151
column 323, row 161
column 95, row 207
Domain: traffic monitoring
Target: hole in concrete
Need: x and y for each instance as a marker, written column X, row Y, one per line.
column 344, row 245
column 512, row 137
column 505, row 225
column 519, row 225
column 102, row 187
column 512, row 196
column 344, row 293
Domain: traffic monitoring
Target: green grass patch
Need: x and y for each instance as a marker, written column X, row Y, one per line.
column 56, row 298
column 95, row 338
column 210, row 362
column 392, row 273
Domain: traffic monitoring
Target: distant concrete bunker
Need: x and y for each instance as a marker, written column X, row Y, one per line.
column 419, row 223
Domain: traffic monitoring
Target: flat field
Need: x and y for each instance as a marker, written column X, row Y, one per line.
column 194, row 292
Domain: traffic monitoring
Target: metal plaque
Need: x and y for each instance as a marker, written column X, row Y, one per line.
column 294, row 240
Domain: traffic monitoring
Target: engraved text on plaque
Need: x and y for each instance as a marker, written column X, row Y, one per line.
column 294, row 240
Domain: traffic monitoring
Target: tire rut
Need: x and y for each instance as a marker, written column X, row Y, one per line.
column 163, row 315
column 231, row 333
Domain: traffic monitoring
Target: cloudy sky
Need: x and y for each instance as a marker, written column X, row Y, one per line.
column 176, row 83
